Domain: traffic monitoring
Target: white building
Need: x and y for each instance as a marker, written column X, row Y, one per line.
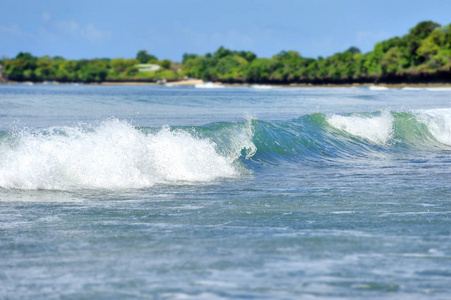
column 148, row 67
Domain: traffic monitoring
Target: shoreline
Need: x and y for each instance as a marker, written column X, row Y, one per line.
column 193, row 82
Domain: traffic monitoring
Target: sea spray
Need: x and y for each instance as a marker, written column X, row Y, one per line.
column 233, row 140
column 111, row 155
column 438, row 122
column 176, row 155
column 376, row 128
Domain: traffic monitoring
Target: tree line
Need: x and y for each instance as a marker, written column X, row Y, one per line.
column 422, row 55
column 26, row 67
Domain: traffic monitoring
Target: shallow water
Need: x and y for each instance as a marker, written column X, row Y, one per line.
column 185, row 193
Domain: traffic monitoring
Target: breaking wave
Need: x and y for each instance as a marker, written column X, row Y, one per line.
column 114, row 154
column 111, row 155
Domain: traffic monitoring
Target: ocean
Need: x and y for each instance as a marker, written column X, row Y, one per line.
column 160, row 192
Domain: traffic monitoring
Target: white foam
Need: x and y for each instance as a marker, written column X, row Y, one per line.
column 208, row 85
column 261, row 87
column 438, row 89
column 412, row 89
column 377, row 88
column 378, row 129
column 438, row 122
column 109, row 156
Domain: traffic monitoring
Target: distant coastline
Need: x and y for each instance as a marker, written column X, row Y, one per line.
column 194, row 82
column 421, row 57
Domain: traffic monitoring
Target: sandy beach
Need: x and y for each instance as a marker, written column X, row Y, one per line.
column 193, row 82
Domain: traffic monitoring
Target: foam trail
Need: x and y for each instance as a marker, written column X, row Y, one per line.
column 378, row 129
column 109, row 156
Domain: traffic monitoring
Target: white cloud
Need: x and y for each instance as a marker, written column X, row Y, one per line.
column 89, row 31
column 14, row 30
column 362, row 35
column 46, row 35
column 230, row 38
column 93, row 34
column 69, row 27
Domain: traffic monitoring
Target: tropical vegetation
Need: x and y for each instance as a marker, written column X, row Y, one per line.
column 422, row 55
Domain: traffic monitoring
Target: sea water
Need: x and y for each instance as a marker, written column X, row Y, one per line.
column 240, row 192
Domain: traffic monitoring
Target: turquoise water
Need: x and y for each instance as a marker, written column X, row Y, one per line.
column 248, row 193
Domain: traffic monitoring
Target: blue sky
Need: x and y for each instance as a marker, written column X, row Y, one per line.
column 169, row 28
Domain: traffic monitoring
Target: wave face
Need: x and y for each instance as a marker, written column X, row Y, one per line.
column 114, row 154
column 438, row 122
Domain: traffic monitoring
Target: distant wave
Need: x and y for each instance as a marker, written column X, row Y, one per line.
column 377, row 88
column 208, row 85
column 412, row 89
column 317, row 136
column 261, row 87
column 439, row 89
column 429, row 89
column 114, row 154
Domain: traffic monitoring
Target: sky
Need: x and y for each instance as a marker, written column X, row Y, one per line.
column 168, row 28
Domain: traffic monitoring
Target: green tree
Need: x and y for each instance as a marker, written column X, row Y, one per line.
column 259, row 70
column 197, row 67
column 45, row 70
column 431, row 45
column 222, row 52
column 93, row 71
column 187, row 56
column 165, row 64
column 230, row 68
column 354, row 50
column 414, row 39
column 391, row 61
column 143, row 57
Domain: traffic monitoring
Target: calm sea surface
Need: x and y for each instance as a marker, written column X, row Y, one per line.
column 159, row 192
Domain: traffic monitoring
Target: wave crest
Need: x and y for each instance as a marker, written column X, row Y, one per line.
column 378, row 129
column 114, row 154
column 111, row 155
column 438, row 122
